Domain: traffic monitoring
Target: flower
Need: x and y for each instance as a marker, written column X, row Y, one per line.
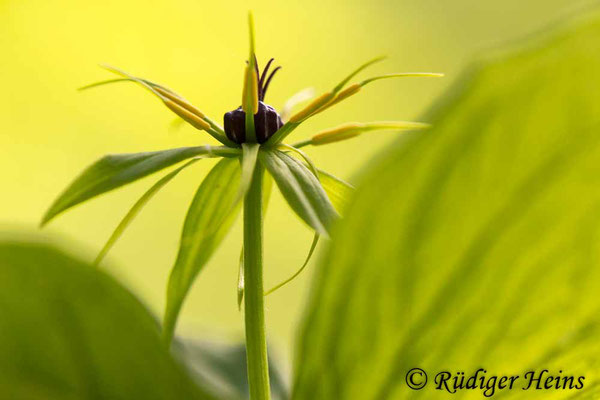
column 252, row 140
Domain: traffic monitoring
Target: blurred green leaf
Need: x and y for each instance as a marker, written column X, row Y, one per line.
column 69, row 331
column 137, row 207
column 301, row 189
column 221, row 369
column 474, row 244
column 209, row 218
column 113, row 171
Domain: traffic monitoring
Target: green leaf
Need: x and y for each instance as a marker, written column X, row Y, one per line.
column 221, row 369
column 137, row 207
column 301, row 189
column 307, row 161
column 474, row 244
column 68, row 331
column 208, row 220
column 113, row 171
column 338, row 191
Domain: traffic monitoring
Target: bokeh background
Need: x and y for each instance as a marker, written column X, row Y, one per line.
column 49, row 132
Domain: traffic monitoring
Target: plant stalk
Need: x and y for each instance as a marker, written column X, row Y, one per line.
column 256, row 343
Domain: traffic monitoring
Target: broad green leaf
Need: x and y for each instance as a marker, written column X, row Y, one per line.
column 137, row 207
column 307, row 161
column 474, row 245
column 221, row 370
column 313, row 169
column 338, row 191
column 113, row 171
column 208, row 220
column 301, row 189
column 70, row 332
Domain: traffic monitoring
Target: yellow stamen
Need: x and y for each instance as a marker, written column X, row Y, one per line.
column 179, row 101
column 188, row 116
column 312, row 107
column 342, row 132
column 250, row 100
column 331, row 137
column 343, row 95
column 254, row 93
column 352, row 129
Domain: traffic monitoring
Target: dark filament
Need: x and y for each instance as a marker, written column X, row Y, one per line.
column 264, row 74
column 263, row 84
column 264, row 89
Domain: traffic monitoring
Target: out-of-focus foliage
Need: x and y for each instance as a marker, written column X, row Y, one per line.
column 474, row 244
column 68, row 331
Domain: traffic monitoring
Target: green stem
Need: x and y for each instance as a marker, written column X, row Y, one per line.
column 256, row 343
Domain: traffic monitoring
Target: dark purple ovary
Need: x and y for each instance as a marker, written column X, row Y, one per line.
column 266, row 123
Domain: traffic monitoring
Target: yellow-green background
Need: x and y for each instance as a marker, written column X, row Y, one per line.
column 49, row 132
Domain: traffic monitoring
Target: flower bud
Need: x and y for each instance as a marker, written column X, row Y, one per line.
column 266, row 123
